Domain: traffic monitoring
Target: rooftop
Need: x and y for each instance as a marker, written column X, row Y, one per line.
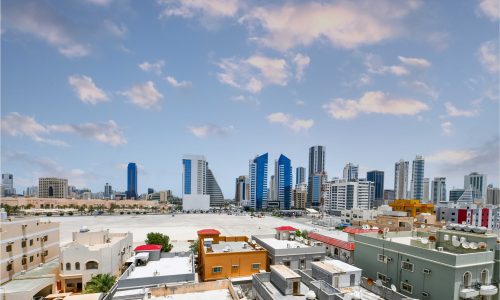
column 150, row 247
column 208, row 231
column 284, row 271
column 32, row 279
column 231, row 247
column 221, row 294
column 285, row 228
column 282, row 244
column 336, row 266
column 340, row 241
column 164, row 266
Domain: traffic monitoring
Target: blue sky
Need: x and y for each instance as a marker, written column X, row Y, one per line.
column 88, row 86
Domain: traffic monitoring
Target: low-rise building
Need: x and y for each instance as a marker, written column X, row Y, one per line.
column 221, row 257
column 412, row 207
column 471, row 214
column 90, row 254
column 347, row 216
column 284, row 248
column 219, row 289
column 394, row 220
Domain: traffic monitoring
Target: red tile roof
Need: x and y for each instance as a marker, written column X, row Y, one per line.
column 150, row 247
column 208, row 231
column 285, row 228
column 332, row 241
column 355, row 230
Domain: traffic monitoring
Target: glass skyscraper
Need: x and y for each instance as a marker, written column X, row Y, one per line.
column 401, row 179
column 258, row 181
column 283, row 177
column 377, row 177
column 316, row 174
column 213, row 189
column 417, row 178
column 316, row 159
column 132, row 181
column 300, row 175
column 351, row 172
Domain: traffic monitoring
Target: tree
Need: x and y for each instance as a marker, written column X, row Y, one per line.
column 305, row 233
column 194, row 247
column 298, row 233
column 100, row 283
column 159, row 239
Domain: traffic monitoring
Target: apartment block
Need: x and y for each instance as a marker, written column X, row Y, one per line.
column 412, row 207
column 51, row 187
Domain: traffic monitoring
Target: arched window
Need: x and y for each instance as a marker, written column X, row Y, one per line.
column 91, row 265
column 68, row 267
column 467, row 278
column 485, row 274
column 336, row 251
column 77, row 266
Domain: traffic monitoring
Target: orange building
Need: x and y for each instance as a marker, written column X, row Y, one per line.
column 221, row 257
column 412, row 207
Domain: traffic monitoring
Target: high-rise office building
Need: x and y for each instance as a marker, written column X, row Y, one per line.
column 283, row 180
column 426, row 197
column 417, row 178
column 151, row 191
column 439, row 190
column 300, row 175
column 341, row 194
column 478, row 184
column 401, row 179
column 351, row 171
column 8, row 184
column 316, row 176
column 258, row 181
column 460, row 196
column 199, row 184
column 108, row 190
column 213, row 189
column 377, row 177
column 242, row 196
column 51, row 187
column 493, row 196
column 132, row 181
column 389, row 196
column 272, row 199
column 316, row 160
column 314, row 190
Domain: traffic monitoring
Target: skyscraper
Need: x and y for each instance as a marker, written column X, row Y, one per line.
column 401, row 179
column 314, row 190
column 241, row 196
column 194, row 179
column 50, row 187
column 478, row 184
column 417, row 178
column 377, row 177
column 271, row 191
column 283, row 178
column 343, row 194
column 8, row 184
column 351, row 172
column 258, row 181
column 493, row 196
column 213, row 189
column 316, row 176
column 132, row 181
column 108, row 190
column 439, row 190
column 426, row 198
column 300, row 175
column 316, row 159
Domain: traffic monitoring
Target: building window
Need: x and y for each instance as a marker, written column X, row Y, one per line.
column 216, row 270
column 45, row 238
column 336, row 251
column 24, row 260
column 286, row 263
column 235, row 267
column 68, row 267
column 77, row 266
column 23, row 243
column 8, row 248
column 405, row 287
column 382, row 277
column 382, row 258
column 467, row 279
column 31, row 242
column 92, row 265
column 407, row 266
column 485, row 276
column 255, row 266
column 31, row 258
column 9, row 267
column 45, row 253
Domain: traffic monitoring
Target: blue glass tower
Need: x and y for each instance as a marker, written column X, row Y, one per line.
column 284, row 182
column 258, row 182
column 300, row 175
column 132, row 181
column 377, row 177
column 187, row 176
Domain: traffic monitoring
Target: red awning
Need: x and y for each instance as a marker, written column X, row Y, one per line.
column 285, row 228
column 208, row 231
column 150, row 247
column 332, row 241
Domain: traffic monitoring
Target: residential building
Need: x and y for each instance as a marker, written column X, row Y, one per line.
column 389, row 196
column 342, row 194
column 470, row 214
column 300, row 196
column 393, row 220
column 283, row 179
column 315, row 190
column 377, row 177
column 258, row 181
column 28, row 244
column 194, row 183
column 316, row 159
column 132, row 181
column 300, row 175
column 283, row 248
column 351, row 172
column 460, row 196
column 417, row 178
column 8, row 185
column 493, row 196
column 108, row 191
column 213, row 189
column 439, row 190
column 242, row 195
column 478, row 184
column 401, row 179
column 412, row 207
column 92, row 253
column 219, row 289
column 51, row 187
column 438, row 264
column 347, row 216
column 221, row 257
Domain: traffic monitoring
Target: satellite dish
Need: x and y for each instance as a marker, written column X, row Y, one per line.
column 465, row 245
column 473, row 245
column 424, row 241
column 386, row 229
column 393, row 288
column 455, row 243
column 378, row 282
column 422, row 226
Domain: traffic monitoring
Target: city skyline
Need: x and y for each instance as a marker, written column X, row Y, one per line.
column 153, row 85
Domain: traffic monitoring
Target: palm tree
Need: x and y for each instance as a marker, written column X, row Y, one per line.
column 100, row 283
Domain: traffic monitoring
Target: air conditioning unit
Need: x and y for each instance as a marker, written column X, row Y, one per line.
column 427, row 271
column 426, row 294
column 389, row 259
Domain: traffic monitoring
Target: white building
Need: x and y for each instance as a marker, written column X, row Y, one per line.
column 194, row 182
column 439, row 190
column 478, row 184
column 358, row 214
column 341, row 194
column 401, row 179
column 426, row 197
column 92, row 253
column 351, row 171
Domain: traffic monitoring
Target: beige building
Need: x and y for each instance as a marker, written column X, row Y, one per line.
column 27, row 244
column 58, row 203
column 300, row 196
column 51, row 187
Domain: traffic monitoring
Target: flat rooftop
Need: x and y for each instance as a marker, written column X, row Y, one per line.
column 336, row 266
column 336, row 234
column 284, row 271
column 163, row 267
column 222, row 294
column 231, row 247
column 278, row 295
column 283, row 244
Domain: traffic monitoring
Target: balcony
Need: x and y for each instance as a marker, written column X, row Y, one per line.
column 478, row 289
column 488, row 290
column 468, row 292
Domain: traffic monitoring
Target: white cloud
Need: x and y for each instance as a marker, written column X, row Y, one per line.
column 177, row 84
column 491, row 9
column 191, row 8
column 87, row 91
column 344, row 24
column 144, row 95
column 15, row 124
column 488, row 56
column 155, row 67
column 106, row 132
column 424, row 88
column 374, row 65
column 373, row 102
column 287, row 120
column 253, row 73
column 415, row 62
column 301, row 62
column 42, row 21
column 210, row 130
column 246, row 99
column 453, row 111
column 119, row 30
column 451, row 156
column 447, row 128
